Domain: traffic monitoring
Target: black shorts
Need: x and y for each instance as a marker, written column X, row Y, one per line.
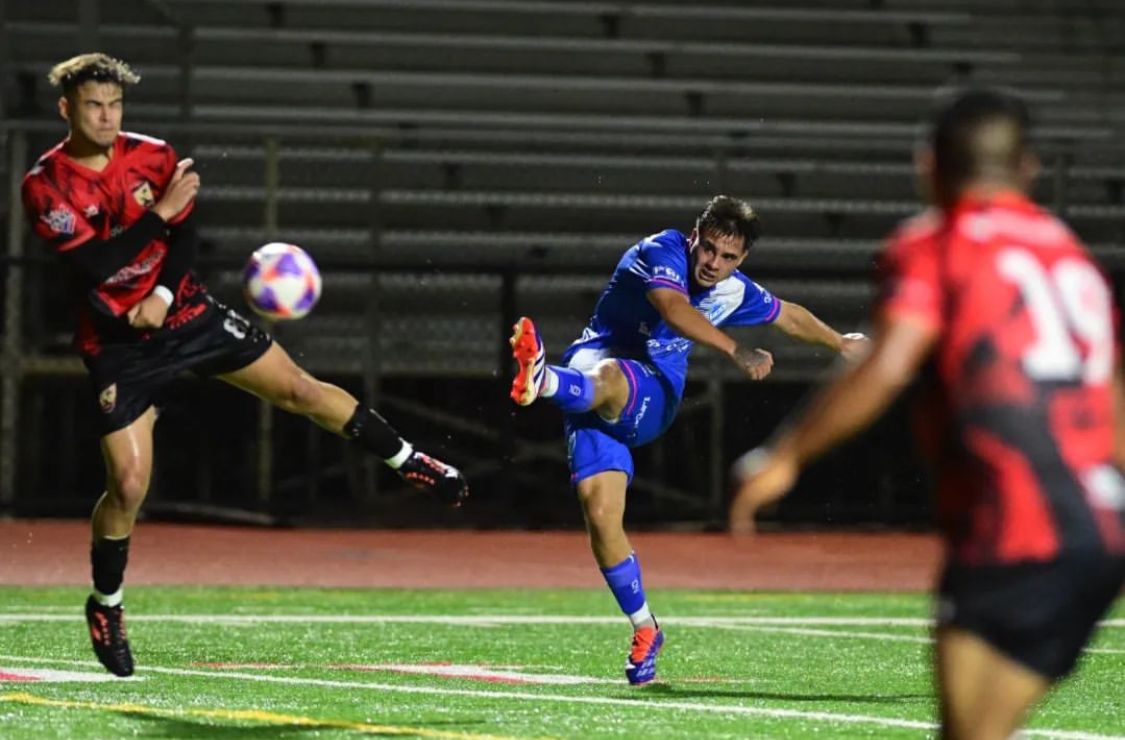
column 1039, row 614
column 127, row 377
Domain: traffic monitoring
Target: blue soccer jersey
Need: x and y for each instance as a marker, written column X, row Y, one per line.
column 626, row 325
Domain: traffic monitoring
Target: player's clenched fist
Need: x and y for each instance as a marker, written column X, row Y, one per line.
column 756, row 363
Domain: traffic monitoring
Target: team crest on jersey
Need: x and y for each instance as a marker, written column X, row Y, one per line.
column 143, row 194
column 60, row 220
column 107, row 399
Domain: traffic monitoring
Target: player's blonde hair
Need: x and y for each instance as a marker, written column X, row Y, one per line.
column 95, row 66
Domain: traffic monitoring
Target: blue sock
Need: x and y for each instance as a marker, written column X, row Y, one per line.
column 574, row 392
column 624, row 580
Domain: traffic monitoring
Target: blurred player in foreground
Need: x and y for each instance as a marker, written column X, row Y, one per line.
column 1024, row 418
column 621, row 382
column 117, row 208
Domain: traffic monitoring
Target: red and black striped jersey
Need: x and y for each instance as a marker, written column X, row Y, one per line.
column 73, row 207
column 1018, row 411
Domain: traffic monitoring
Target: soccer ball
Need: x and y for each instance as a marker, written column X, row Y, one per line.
column 281, row 281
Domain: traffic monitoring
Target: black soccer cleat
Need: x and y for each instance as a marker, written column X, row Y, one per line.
column 107, row 632
column 430, row 474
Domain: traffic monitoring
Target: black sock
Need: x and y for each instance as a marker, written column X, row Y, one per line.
column 108, row 558
column 373, row 433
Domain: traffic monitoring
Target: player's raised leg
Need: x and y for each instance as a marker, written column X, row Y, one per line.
column 128, row 462
column 274, row 377
column 984, row 694
column 603, row 504
column 603, row 389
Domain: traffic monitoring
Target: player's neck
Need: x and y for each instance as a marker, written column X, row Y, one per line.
column 986, row 189
column 87, row 153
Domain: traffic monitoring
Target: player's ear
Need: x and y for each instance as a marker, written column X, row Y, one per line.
column 64, row 108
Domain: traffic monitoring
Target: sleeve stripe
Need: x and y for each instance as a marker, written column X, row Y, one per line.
column 775, row 312
column 665, row 283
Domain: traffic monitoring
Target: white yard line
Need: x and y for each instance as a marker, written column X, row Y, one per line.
column 488, row 620
column 827, row 633
column 648, row 704
column 470, row 620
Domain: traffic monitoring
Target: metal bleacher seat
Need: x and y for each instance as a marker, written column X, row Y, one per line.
column 549, row 136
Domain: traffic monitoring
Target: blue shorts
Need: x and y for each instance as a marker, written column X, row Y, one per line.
column 595, row 445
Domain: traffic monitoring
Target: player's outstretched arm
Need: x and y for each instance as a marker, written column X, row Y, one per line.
column 688, row 322
column 846, row 406
column 800, row 323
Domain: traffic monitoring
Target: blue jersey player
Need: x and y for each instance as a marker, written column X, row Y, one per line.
column 621, row 382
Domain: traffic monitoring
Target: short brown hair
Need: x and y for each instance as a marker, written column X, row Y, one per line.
column 978, row 132
column 96, row 66
column 730, row 216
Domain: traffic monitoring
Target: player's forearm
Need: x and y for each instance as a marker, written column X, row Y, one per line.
column 100, row 259
column 800, row 323
column 183, row 245
column 689, row 323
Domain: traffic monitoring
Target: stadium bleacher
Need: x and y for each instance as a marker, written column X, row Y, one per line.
column 546, row 137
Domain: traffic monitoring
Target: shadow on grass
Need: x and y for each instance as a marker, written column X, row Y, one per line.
column 672, row 691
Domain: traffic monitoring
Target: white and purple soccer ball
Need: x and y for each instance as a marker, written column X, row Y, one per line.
column 281, row 281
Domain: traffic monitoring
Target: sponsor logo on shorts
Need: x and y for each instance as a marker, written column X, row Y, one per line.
column 107, row 399
column 642, row 410
column 143, row 194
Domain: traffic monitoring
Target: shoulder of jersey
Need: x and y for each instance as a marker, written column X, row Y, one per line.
column 667, row 239
column 140, row 141
column 1038, row 227
column 918, row 228
column 46, row 159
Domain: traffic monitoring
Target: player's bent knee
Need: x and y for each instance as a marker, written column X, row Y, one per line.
column 128, row 487
column 612, row 388
column 610, row 376
column 603, row 515
column 604, row 521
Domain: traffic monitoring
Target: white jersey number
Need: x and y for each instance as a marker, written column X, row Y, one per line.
column 1069, row 302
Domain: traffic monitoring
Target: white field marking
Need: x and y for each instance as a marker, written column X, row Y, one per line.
column 470, row 620
column 1114, row 651
column 476, row 673
column 474, row 620
column 728, row 709
column 50, row 675
column 731, row 710
column 827, row 633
